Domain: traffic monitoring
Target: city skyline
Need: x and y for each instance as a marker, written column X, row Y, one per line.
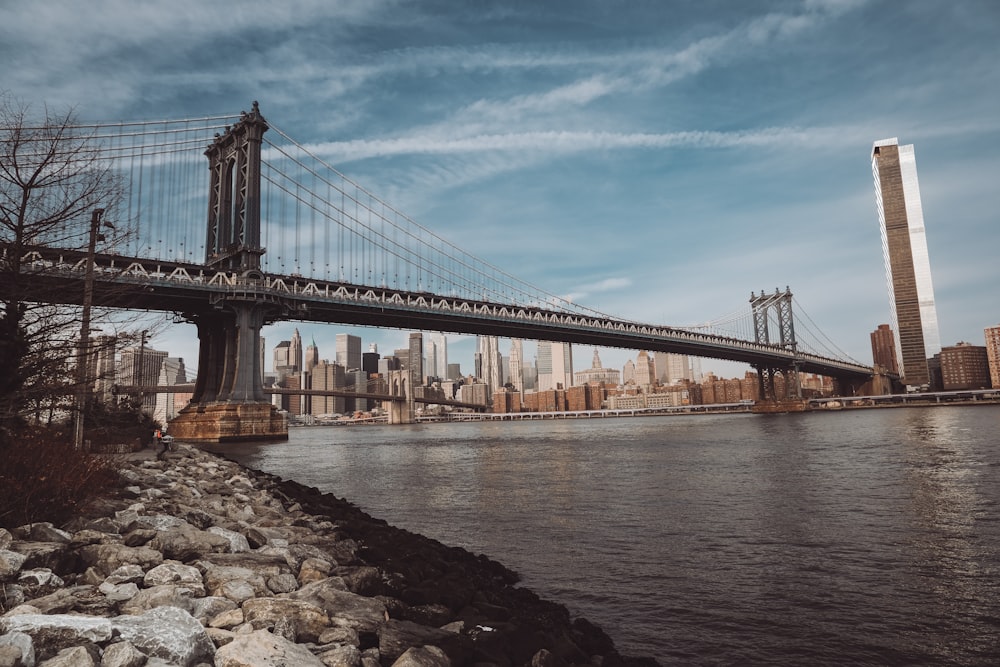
column 654, row 163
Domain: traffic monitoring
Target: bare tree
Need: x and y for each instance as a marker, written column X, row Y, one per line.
column 52, row 178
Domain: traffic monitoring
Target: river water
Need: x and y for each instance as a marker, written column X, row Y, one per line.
column 861, row 537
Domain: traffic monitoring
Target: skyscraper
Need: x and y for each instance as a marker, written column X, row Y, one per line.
column 437, row 356
column 907, row 265
column 517, row 364
column 884, row 349
column 348, row 351
column 295, row 351
column 489, row 350
column 415, row 360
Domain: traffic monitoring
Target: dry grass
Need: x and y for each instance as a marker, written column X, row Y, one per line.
column 44, row 478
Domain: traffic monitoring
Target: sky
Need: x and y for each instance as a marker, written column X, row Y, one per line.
column 655, row 160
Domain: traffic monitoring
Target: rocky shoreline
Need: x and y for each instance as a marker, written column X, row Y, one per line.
column 199, row 562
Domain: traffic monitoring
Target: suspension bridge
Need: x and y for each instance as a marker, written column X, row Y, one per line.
column 288, row 237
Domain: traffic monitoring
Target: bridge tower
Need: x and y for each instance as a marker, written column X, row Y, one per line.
column 229, row 402
column 780, row 305
column 400, row 384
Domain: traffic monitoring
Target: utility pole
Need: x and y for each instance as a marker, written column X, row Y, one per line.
column 82, row 360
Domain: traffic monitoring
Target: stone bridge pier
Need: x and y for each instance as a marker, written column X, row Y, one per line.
column 401, row 412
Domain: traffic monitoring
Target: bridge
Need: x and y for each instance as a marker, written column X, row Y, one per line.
column 288, row 237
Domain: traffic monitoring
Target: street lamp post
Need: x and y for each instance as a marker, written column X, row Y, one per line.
column 82, row 390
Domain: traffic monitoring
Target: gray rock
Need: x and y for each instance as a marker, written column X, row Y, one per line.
column 126, row 574
column 40, row 578
column 59, row 601
column 118, row 592
column 55, row 556
column 396, row 636
column 219, row 636
column 172, row 572
column 236, row 583
column 107, row 558
column 237, row 542
column 138, row 537
column 46, row 532
column 82, row 538
column 22, row 644
column 5, row 538
column 168, row 595
column 344, row 608
column 307, row 620
column 168, row 633
column 314, row 569
column 282, row 583
column 122, row 654
column 50, row 633
column 11, row 595
column 76, row 656
column 339, row 635
column 103, row 524
column 228, row 619
column 342, row 656
column 263, row 649
column 186, row 543
column 423, row 656
column 10, row 563
column 205, row 608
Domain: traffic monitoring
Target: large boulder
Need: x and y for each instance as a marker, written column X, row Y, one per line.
column 263, row 649
column 172, row 572
column 19, row 646
column 51, row 633
column 168, row 633
column 106, row 558
column 347, row 609
column 307, row 620
column 187, row 543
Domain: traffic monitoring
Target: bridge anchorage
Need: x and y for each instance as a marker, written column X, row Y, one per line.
column 229, row 402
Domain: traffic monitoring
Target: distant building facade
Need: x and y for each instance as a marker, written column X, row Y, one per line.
column 884, row 349
column 993, row 354
column 965, row 366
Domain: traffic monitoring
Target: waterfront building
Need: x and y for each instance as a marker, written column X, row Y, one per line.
column 884, row 350
column 474, row 392
column 907, row 265
column 993, row 354
column 964, row 366
column 597, row 373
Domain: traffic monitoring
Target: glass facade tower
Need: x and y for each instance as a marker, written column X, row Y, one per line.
column 907, row 265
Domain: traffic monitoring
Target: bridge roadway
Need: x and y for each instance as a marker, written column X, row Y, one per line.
column 189, row 388
column 145, row 284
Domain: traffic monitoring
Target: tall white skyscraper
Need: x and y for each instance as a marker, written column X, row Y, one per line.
column 555, row 365
column 437, row 356
column 907, row 264
column 295, row 351
column 489, row 350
